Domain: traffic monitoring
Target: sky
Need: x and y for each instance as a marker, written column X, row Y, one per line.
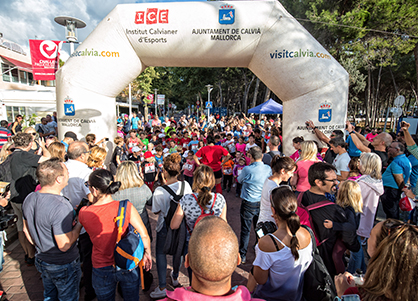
column 21, row 20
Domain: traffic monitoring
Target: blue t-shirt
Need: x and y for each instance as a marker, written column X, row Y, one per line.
column 237, row 133
column 399, row 165
column 352, row 149
column 193, row 144
column 414, row 173
column 135, row 122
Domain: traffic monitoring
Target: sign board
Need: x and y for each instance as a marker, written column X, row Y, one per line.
column 399, row 101
column 160, row 99
column 397, row 112
column 45, row 58
column 209, row 105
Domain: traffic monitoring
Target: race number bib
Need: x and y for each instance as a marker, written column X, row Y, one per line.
column 149, row 168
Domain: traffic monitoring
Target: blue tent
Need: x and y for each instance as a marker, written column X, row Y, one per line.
column 268, row 107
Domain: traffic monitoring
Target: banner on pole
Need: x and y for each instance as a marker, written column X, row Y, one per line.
column 45, row 58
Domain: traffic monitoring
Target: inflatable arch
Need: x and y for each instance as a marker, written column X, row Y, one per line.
column 260, row 35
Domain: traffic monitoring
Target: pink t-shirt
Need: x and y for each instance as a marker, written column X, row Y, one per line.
column 370, row 136
column 240, row 147
column 189, row 168
column 184, row 294
column 302, row 173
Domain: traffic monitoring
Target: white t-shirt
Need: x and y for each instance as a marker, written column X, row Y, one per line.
column 192, row 210
column 341, row 163
column 265, row 207
column 285, row 272
column 248, row 146
column 161, row 200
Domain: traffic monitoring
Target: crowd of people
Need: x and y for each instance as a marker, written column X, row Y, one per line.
column 310, row 201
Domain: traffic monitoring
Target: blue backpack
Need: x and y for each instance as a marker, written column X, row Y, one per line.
column 129, row 249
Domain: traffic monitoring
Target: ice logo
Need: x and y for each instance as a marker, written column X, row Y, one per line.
column 325, row 112
column 49, row 49
column 69, row 109
column 226, row 14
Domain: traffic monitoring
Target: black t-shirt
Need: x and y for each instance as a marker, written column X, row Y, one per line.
column 117, row 152
column 23, row 167
column 329, row 155
column 149, row 169
column 383, row 155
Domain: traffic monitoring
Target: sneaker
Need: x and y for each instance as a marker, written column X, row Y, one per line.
column 175, row 282
column 158, row 294
column 243, row 259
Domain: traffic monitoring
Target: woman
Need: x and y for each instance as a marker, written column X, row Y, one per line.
column 6, row 150
column 308, row 156
column 98, row 220
column 35, row 145
column 282, row 257
column 96, row 158
column 392, row 270
column 17, row 125
column 5, row 172
column 160, row 205
column 91, row 141
column 297, row 145
column 211, row 155
column 57, row 150
column 371, row 186
column 191, row 205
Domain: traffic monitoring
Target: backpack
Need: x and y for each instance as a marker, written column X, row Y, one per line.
column 203, row 214
column 305, row 217
column 175, row 238
column 317, row 282
column 129, row 248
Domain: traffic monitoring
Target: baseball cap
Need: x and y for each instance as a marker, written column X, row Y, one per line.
column 147, row 155
column 71, row 135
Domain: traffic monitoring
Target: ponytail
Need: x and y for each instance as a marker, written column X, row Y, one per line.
column 284, row 202
column 204, row 196
column 203, row 182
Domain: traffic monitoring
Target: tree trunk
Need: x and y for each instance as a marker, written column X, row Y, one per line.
column 369, row 87
column 416, row 63
column 220, row 94
column 266, row 94
column 257, row 84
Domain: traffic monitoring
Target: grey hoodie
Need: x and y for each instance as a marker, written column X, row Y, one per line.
column 371, row 190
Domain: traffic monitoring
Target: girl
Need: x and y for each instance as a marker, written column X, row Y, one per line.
column 227, row 168
column 297, row 145
column 239, row 165
column 354, row 173
column 282, row 257
column 350, row 199
column 117, row 155
column 149, row 170
column 132, row 141
column 189, row 167
column 240, row 146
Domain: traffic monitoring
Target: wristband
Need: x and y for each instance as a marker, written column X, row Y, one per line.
column 352, row 132
column 315, row 127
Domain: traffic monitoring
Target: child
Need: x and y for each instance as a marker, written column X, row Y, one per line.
column 136, row 156
column 354, row 173
column 173, row 147
column 190, row 166
column 117, row 155
column 120, row 130
column 193, row 144
column 132, row 141
column 149, row 170
column 240, row 146
column 239, row 166
column 229, row 144
column 227, row 167
column 350, row 199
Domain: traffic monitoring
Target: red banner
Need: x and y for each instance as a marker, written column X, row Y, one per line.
column 45, row 58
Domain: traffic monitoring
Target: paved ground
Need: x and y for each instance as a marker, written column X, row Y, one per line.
column 20, row 282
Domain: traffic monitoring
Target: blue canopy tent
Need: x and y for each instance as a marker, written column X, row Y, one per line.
column 268, row 107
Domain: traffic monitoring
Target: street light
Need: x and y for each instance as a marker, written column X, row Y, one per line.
column 71, row 24
column 209, row 87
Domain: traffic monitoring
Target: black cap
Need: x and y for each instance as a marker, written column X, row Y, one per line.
column 71, row 135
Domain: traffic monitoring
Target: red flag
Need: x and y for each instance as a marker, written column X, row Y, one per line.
column 45, row 58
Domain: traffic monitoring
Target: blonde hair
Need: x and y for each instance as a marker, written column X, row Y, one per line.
column 203, row 183
column 309, row 150
column 128, row 174
column 118, row 140
column 96, row 157
column 57, row 150
column 371, row 165
column 4, row 151
column 349, row 194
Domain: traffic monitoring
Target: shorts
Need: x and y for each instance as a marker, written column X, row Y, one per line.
column 17, row 208
column 218, row 174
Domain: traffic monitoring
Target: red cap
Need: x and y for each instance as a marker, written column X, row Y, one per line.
column 148, row 155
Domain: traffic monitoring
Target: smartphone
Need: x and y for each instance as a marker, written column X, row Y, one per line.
column 106, row 139
column 84, row 202
column 6, row 190
column 350, row 298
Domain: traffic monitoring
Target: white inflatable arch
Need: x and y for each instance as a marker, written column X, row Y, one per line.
column 260, row 35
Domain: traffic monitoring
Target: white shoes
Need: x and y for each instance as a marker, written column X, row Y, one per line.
column 158, row 294
column 175, row 282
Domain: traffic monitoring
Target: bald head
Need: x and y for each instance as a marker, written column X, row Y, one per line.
column 213, row 250
column 77, row 149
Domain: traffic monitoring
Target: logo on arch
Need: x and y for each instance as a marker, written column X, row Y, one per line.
column 226, row 14
column 325, row 112
column 69, row 109
column 151, row 16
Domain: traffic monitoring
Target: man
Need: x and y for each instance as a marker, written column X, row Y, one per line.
column 213, row 257
column 48, row 224
column 51, row 125
column 259, row 140
column 75, row 191
column 342, row 159
column 394, row 179
column 323, row 179
column 273, row 144
column 43, row 129
column 378, row 145
column 352, row 149
column 23, row 166
column 135, row 121
column 5, row 134
column 252, row 179
column 69, row 137
column 329, row 155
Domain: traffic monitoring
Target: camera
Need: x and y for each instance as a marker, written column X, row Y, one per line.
column 6, row 220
